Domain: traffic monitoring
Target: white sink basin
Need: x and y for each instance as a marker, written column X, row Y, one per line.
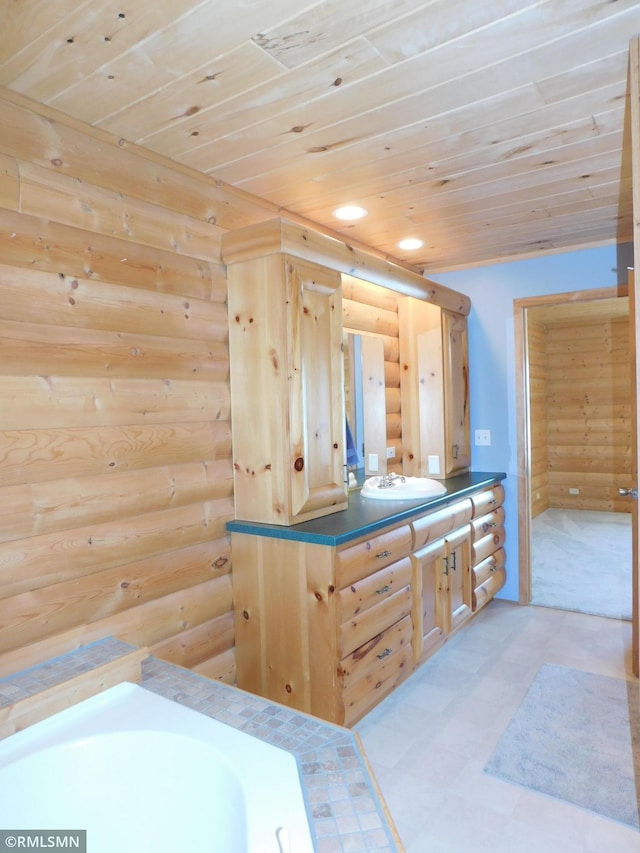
column 402, row 489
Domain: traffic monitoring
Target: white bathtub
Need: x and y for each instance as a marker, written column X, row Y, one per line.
column 141, row 773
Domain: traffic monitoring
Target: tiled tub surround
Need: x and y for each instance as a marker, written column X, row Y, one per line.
column 346, row 812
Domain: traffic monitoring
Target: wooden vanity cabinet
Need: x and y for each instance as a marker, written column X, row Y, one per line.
column 286, row 371
column 331, row 630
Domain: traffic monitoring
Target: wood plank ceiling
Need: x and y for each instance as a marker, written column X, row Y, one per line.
column 489, row 129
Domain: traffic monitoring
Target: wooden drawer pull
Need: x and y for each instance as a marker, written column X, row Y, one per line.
column 383, row 554
column 383, row 589
column 384, row 654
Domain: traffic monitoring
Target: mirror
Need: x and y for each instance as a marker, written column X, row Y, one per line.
column 365, row 403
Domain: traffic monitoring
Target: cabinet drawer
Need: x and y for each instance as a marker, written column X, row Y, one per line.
column 484, row 525
column 486, row 591
column 361, row 595
column 487, row 545
column 483, row 571
column 373, row 683
column 371, row 655
column 361, row 628
column 487, row 501
column 357, row 561
column 437, row 524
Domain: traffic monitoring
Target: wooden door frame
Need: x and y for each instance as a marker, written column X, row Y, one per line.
column 631, row 145
column 521, row 352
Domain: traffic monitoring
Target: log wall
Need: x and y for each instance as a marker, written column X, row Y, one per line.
column 115, row 441
column 582, row 391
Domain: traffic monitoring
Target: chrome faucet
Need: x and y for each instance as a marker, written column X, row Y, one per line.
column 388, row 480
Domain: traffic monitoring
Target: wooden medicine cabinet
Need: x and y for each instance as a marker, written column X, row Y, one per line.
column 286, row 326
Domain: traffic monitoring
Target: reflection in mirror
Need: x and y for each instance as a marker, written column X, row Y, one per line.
column 365, row 401
column 353, row 401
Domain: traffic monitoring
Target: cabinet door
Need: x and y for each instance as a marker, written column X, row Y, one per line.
column 456, row 394
column 457, row 567
column 317, row 421
column 287, row 409
column 430, row 598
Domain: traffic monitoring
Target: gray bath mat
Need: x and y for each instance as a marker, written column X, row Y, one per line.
column 576, row 737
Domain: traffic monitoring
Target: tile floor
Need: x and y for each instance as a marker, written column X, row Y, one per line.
column 429, row 741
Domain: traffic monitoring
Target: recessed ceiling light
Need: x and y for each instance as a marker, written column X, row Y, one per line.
column 349, row 212
column 411, row 243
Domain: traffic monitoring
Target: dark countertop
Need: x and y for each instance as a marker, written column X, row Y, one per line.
column 364, row 516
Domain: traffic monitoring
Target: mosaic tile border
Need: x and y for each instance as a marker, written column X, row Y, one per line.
column 344, row 809
column 30, row 682
column 345, row 812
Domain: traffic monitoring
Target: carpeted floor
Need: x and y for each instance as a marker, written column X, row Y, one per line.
column 576, row 736
column 581, row 560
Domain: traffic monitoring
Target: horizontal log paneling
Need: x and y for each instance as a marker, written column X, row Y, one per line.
column 36, row 508
column 142, row 625
column 357, row 290
column 39, row 561
column 31, row 616
column 33, row 456
column 26, row 241
column 597, row 491
column 115, row 441
column 580, row 410
column 36, row 297
column 9, row 182
column 52, row 141
column 85, row 352
column 72, row 202
column 148, row 623
column 369, row 318
column 60, row 401
column 590, row 457
column 198, row 644
column 221, row 667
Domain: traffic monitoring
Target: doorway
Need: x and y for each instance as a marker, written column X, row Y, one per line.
column 573, row 399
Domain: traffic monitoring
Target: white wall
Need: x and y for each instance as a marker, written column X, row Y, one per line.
column 492, row 290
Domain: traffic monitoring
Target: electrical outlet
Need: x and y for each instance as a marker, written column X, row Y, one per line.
column 483, row 436
column 574, row 491
column 391, row 453
column 434, row 464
